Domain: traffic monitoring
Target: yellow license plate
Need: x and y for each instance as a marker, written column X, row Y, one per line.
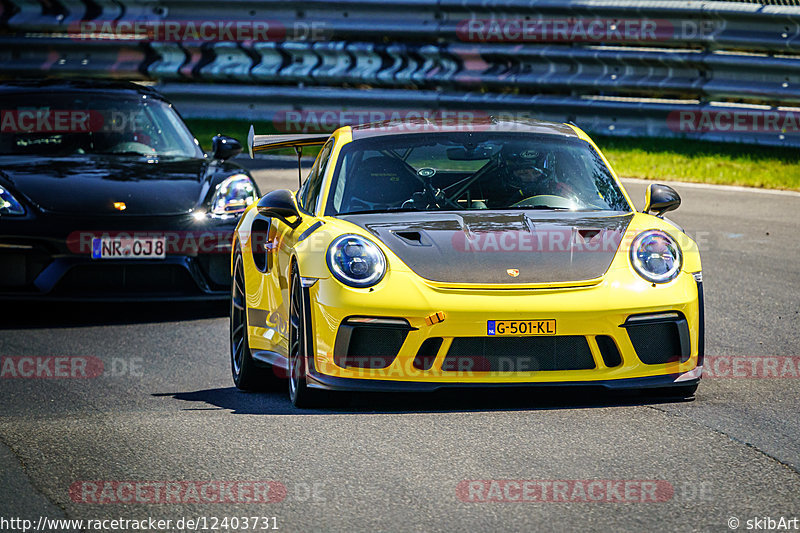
column 521, row 327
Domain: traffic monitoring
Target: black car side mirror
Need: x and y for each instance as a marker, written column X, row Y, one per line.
column 660, row 199
column 280, row 204
column 225, row 147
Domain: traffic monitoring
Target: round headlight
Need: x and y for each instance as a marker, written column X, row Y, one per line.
column 9, row 205
column 656, row 256
column 355, row 261
column 233, row 196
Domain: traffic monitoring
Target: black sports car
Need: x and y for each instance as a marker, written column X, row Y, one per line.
column 105, row 194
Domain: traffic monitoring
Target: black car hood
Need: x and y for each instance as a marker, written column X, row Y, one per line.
column 501, row 247
column 90, row 185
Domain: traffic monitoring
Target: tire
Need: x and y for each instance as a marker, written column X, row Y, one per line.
column 299, row 338
column 246, row 373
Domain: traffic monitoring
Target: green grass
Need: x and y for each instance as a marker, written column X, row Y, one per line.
column 205, row 129
column 647, row 158
column 703, row 162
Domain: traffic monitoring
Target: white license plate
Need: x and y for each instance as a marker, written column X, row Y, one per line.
column 521, row 327
column 129, row 248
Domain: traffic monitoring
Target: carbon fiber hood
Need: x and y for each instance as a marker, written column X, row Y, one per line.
column 493, row 247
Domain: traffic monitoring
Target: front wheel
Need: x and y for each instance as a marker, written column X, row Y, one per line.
column 299, row 341
column 246, row 374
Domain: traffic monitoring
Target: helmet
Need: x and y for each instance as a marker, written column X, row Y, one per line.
column 526, row 165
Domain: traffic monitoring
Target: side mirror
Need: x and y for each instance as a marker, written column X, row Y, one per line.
column 280, row 204
column 225, row 147
column 660, row 199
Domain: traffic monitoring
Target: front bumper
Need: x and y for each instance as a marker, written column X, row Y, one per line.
column 322, row 381
column 594, row 314
column 45, row 258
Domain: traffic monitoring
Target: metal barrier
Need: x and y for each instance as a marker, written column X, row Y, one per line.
column 716, row 70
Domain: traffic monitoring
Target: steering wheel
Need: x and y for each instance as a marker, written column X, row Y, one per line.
column 547, row 200
column 370, row 206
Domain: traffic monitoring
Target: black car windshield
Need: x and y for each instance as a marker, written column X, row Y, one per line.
column 471, row 170
column 73, row 123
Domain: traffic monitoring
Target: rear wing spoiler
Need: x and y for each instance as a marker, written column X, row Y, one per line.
column 259, row 143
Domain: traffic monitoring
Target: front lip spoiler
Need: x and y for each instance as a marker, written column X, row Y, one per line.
column 321, row 381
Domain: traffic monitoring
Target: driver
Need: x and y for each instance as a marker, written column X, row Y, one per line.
column 531, row 172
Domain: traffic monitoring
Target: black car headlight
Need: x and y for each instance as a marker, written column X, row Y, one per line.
column 233, row 196
column 9, row 206
column 656, row 256
column 355, row 261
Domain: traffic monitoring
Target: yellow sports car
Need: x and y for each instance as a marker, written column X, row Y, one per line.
column 418, row 255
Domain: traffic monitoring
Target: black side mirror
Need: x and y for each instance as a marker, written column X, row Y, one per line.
column 660, row 199
column 280, row 204
column 225, row 147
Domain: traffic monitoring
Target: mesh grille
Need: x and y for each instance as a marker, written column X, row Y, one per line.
column 109, row 279
column 609, row 351
column 217, row 269
column 657, row 343
column 19, row 269
column 371, row 347
column 427, row 353
column 518, row 354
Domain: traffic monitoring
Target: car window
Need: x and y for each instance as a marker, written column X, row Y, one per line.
column 302, row 194
column 475, row 170
column 64, row 124
column 432, row 157
column 315, row 180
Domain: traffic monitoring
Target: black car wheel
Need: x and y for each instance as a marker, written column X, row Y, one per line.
column 247, row 375
column 299, row 393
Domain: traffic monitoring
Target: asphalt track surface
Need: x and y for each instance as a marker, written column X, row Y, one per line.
column 169, row 412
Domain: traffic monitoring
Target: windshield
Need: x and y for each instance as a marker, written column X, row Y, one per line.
column 484, row 170
column 67, row 124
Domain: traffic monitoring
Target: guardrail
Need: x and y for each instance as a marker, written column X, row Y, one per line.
column 717, row 70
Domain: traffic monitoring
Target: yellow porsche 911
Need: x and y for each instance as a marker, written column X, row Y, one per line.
column 418, row 255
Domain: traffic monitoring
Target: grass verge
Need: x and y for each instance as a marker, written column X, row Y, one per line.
column 703, row 162
column 646, row 158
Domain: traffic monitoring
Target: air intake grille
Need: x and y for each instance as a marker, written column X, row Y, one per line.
column 518, row 354
column 660, row 342
column 368, row 346
column 426, row 354
column 110, row 279
column 609, row 351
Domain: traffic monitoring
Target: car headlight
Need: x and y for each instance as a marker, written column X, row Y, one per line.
column 355, row 261
column 9, row 206
column 233, row 195
column 656, row 256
